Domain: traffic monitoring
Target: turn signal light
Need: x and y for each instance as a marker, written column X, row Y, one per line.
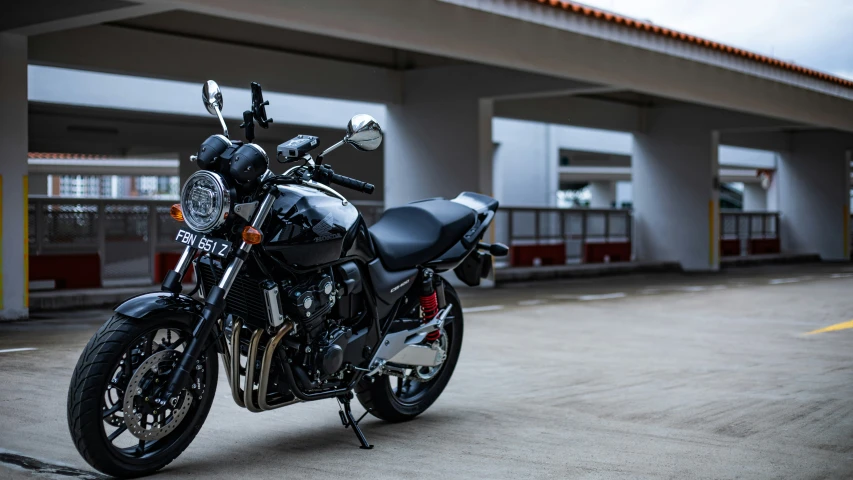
column 252, row 236
column 176, row 212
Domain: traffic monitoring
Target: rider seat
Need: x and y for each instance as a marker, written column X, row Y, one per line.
column 418, row 232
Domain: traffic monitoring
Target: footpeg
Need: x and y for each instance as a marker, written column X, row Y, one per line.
column 348, row 420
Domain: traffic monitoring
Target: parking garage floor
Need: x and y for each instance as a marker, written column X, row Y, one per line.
column 656, row 376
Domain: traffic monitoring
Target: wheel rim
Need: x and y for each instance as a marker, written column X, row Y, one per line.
column 160, row 341
column 412, row 389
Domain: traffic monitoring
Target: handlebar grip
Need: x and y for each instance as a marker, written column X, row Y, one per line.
column 351, row 183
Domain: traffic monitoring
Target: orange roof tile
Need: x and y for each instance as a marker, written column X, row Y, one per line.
column 602, row 15
column 66, row 156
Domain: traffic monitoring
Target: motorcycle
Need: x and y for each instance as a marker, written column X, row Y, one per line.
column 301, row 300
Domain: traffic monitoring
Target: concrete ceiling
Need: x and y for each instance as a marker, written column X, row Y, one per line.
column 234, row 32
column 18, row 14
column 359, row 50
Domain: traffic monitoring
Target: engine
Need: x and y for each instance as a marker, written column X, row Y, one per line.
column 310, row 301
column 322, row 329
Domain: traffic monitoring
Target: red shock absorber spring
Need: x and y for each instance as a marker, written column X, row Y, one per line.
column 429, row 304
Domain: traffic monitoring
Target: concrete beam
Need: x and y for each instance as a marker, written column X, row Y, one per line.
column 90, row 19
column 103, row 166
column 623, row 174
column 570, row 110
column 537, row 46
column 775, row 141
column 493, row 82
column 114, row 49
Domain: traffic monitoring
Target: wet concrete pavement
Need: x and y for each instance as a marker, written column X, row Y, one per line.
column 655, row 376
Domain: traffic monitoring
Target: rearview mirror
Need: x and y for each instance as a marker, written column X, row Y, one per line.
column 212, row 96
column 363, row 133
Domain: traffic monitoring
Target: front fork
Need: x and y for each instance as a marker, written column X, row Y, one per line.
column 213, row 305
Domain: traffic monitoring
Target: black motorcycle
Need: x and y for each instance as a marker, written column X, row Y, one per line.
column 301, row 300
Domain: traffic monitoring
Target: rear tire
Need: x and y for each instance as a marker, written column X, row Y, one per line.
column 380, row 399
column 92, row 381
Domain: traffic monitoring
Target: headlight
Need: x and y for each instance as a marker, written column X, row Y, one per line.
column 205, row 201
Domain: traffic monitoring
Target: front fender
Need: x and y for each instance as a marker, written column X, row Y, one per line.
column 149, row 306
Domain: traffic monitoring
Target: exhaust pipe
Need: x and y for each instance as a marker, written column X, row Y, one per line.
column 243, row 391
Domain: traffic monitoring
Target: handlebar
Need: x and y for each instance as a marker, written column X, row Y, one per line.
column 352, row 183
column 322, row 174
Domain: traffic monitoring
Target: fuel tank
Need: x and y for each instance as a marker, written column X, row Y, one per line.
column 309, row 227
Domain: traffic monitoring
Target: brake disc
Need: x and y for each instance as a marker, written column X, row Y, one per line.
column 426, row 374
column 134, row 414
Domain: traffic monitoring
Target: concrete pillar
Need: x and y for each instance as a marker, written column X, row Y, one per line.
column 438, row 143
column 814, row 194
column 603, row 194
column 754, row 198
column 675, row 187
column 14, row 245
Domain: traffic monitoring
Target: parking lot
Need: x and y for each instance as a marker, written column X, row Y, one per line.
column 656, row 376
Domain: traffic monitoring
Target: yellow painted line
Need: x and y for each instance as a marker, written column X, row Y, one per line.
column 833, row 328
column 26, row 241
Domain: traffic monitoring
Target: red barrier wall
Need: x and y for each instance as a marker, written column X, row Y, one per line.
column 761, row 246
column 615, row 251
column 523, row 255
column 68, row 270
column 729, row 248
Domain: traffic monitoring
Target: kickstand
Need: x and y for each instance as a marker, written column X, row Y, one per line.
column 349, row 420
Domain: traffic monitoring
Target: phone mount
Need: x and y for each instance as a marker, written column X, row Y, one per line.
column 258, row 113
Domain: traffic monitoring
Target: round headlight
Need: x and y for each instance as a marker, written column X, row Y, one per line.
column 205, row 201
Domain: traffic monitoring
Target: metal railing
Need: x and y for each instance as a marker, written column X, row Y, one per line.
column 127, row 234
column 574, row 228
column 744, row 228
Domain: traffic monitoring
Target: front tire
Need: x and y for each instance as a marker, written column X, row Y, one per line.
column 96, row 397
column 406, row 401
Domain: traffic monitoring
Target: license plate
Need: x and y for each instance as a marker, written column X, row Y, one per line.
column 214, row 246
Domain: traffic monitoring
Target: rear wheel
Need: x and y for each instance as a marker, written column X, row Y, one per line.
column 113, row 421
column 397, row 399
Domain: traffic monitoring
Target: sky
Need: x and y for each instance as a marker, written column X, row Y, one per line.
column 814, row 33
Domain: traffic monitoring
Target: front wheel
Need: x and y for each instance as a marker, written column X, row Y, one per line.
column 114, row 423
column 397, row 399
